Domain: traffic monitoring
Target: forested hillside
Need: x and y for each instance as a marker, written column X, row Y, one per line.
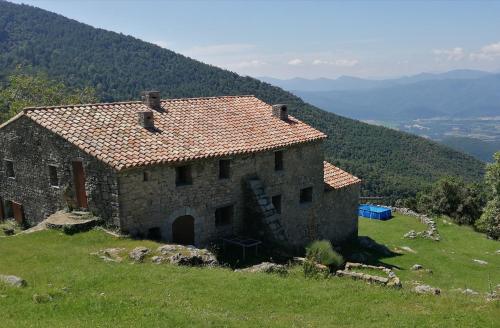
column 391, row 163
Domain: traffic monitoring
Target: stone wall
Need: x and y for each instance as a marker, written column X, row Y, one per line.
column 340, row 220
column 32, row 149
column 158, row 202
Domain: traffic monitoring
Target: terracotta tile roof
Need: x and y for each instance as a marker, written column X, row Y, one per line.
column 336, row 178
column 186, row 129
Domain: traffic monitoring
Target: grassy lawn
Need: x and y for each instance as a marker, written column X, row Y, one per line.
column 451, row 259
column 87, row 292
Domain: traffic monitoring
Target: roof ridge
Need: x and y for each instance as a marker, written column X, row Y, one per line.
column 26, row 109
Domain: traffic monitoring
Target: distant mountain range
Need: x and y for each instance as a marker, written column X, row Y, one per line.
column 467, row 103
column 459, row 93
column 356, row 83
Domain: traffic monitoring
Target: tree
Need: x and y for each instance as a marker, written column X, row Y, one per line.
column 453, row 197
column 27, row 90
column 490, row 219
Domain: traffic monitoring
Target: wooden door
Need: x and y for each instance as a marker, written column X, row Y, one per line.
column 2, row 212
column 17, row 209
column 183, row 230
column 79, row 181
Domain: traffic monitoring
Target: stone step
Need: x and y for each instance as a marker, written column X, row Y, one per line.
column 264, row 206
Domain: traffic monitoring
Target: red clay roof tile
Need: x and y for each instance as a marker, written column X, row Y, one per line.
column 336, row 178
column 186, row 129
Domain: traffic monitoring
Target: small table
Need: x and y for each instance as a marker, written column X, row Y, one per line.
column 243, row 242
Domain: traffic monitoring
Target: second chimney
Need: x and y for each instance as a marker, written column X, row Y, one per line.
column 280, row 111
column 146, row 119
column 152, row 99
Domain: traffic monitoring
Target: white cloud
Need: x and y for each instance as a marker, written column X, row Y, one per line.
column 219, row 49
column 249, row 63
column 295, row 61
column 488, row 52
column 337, row 62
column 320, row 62
column 453, row 54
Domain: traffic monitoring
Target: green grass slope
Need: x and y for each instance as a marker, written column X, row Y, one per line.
column 87, row 291
column 120, row 67
column 450, row 259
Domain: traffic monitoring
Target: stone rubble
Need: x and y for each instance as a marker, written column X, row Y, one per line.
column 13, row 280
column 157, row 259
column 138, row 254
column 430, row 232
column 174, row 254
column 110, row 254
column 390, row 281
column 188, row 255
column 408, row 249
column 426, row 289
column 467, row 291
column 480, row 261
column 265, row 267
column 417, row 267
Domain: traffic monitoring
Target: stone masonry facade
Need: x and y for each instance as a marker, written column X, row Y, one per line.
column 32, row 149
column 146, row 200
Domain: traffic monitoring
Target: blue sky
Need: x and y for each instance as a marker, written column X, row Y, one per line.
column 309, row 39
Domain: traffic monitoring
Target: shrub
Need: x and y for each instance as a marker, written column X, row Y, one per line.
column 489, row 222
column 321, row 251
column 314, row 270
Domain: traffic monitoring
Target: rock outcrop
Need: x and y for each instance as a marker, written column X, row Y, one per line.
column 426, row 289
column 13, row 280
column 265, row 267
column 138, row 254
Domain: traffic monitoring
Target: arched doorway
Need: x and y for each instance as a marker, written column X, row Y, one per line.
column 183, row 230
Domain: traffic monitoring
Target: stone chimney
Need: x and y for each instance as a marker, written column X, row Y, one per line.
column 146, row 119
column 152, row 99
column 280, row 111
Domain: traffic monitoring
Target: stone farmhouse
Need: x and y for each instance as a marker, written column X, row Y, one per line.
column 182, row 170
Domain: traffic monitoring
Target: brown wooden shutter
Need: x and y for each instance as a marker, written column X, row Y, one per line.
column 17, row 209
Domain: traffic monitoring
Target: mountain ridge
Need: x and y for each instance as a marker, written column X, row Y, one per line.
column 344, row 83
column 119, row 67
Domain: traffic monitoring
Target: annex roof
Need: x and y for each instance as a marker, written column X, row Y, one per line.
column 336, row 178
column 185, row 129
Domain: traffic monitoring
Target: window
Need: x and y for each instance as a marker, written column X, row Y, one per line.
column 53, row 178
column 224, row 169
column 306, row 195
column 276, row 200
column 183, row 175
column 146, row 175
column 9, row 169
column 278, row 161
column 224, row 216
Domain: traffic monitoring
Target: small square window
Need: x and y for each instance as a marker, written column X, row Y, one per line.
column 306, row 195
column 146, row 176
column 183, row 175
column 9, row 169
column 276, row 200
column 53, row 178
column 224, row 169
column 278, row 161
column 224, row 216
